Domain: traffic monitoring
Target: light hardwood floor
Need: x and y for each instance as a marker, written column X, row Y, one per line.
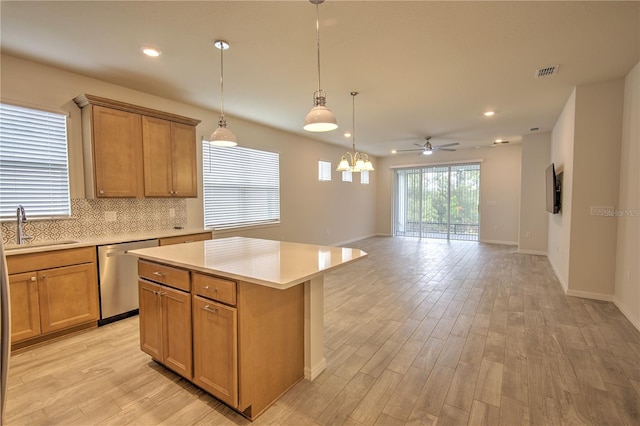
column 420, row 332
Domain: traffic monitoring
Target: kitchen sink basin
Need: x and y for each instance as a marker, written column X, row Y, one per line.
column 38, row 244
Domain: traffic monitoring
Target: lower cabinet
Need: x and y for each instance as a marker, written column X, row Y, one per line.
column 215, row 349
column 246, row 341
column 25, row 308
column 165, row 326
column 59, row 298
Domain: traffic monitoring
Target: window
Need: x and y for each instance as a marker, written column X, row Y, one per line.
column 34, row 167
column 324, row 171
column 346, row 176
column 364, row 177
column 241, row 186
column 439, row 201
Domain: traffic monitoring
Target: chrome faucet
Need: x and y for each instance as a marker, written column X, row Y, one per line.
column 21, row 218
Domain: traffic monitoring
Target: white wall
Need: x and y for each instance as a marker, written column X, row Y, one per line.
column 627, row 281
column 558, row 244
column 533, row 229
column 585, row 145
column 313, row 212
column 499, row 189
column 596, row 177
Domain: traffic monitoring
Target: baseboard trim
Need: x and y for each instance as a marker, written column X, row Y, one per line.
column 564, row 285
column 504, row 243
column 633, row 320
column 536, row 252
column 314, row 371
column 591, row 295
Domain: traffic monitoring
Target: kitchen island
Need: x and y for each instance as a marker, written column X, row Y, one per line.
column 242, row 318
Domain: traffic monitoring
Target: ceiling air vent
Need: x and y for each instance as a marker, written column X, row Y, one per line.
column 547, row 71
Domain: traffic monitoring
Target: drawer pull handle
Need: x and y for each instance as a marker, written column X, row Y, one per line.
column 158, row 274
column 206, row 288
column 210, row 309
column 33, row 278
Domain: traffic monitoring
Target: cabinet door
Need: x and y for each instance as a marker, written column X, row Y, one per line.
column 25, row 310
column 150, row 319
column 215, row 349
column 156, row 142
column 117, row 145
column 176, row 323
column 68, row 296
column 184, row 160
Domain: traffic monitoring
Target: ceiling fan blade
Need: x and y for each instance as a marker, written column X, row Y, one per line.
column 420, row 145
column 409, row 150
column 447, row 144
column 442, row 149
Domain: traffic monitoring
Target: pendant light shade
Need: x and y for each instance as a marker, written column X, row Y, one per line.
column 222, row 136
column 320, row 119
column 359, row 160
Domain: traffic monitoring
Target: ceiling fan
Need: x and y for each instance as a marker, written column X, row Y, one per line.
column 428, row 149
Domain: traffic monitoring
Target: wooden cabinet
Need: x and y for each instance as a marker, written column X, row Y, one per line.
column 67, row 296
column 116, row 152
column 202, row 236
column 61, row 297
column 215, row 349
column 169, row 158
column 165, row 323
column 247, row 339
column 133, row 151
column 25, row 308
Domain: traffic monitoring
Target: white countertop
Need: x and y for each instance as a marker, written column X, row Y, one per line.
column 37, row 247
column 277, row 264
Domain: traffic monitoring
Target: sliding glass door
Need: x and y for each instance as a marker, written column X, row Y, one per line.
column 438, row 202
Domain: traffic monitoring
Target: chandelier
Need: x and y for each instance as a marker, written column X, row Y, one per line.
column 357, row 161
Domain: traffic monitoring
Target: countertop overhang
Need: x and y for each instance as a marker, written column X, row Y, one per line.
column 277, row 264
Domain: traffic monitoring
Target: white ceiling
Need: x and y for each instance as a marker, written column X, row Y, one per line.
column 421, row 67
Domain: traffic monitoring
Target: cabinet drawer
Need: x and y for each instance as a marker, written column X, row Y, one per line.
column 214, row 288
column 173, row 277
column 51, row 259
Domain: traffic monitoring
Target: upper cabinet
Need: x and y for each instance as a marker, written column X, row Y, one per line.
column 132, row 151
column 169, row 158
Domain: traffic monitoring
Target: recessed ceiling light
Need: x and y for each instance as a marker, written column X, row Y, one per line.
column 393, row 151
column 347, row 135
column 150, row 51
column 498, row 141
column 489, row 113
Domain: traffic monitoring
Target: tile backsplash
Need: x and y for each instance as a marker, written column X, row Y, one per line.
column 104, row 217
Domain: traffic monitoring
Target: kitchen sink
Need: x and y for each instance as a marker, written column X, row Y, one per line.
column 39, row 244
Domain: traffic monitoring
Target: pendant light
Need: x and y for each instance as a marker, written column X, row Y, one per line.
column 359, row 161
column 320, row 119
column 222, row 136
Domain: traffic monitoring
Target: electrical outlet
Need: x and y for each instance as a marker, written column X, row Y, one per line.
column 110, row 216
column 172, row 213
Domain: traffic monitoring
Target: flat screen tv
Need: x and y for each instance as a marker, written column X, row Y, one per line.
column 553, row 190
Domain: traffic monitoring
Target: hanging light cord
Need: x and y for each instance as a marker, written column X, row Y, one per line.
column 353, row 117
column 222, row 79
column 318, row 41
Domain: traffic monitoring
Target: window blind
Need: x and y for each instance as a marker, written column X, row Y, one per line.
column 364, row 177
column 346, row 176
column 324, row 171
column 241, row 186
column 34, row 168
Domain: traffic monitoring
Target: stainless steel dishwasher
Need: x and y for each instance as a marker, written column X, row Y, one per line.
column 119, row 280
